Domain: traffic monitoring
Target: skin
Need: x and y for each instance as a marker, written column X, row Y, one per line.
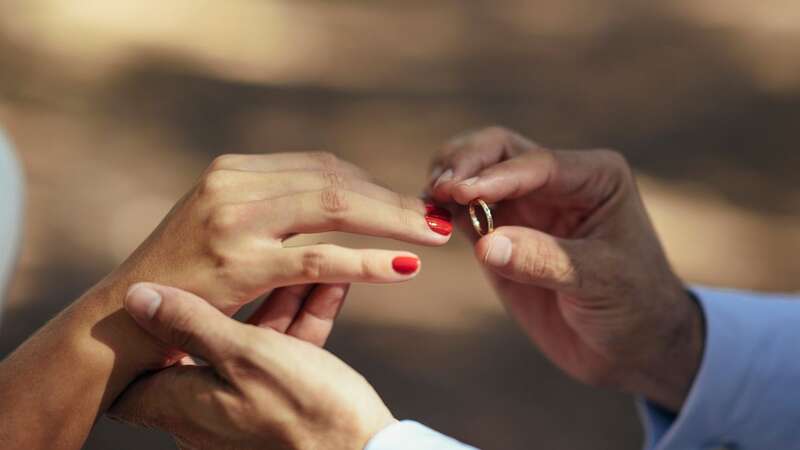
column 576, row 261
column 225, row 242
column 266, row 386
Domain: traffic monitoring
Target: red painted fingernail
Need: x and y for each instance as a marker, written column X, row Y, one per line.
column 440, row 225
column 432, row 210
column 405, row 265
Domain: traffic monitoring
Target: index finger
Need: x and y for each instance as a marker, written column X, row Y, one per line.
column 581, row 179
column 464, row 157
column 288, row 161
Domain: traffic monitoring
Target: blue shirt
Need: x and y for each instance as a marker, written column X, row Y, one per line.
column 10, row 213
column 746, row 395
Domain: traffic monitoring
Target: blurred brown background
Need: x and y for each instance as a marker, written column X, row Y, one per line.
column 116, row 106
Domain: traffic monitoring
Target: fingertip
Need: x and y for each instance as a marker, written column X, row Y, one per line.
column 465, row 193
column 440, row 195
column 339, row 290
column 407, row 265
column 441, row 226
column 140, row 285
column 143, row 301
column 443, row 178
column 435, row 173
column 444, row 193
column 326, row 300
column 443, row 189
column 494, row 250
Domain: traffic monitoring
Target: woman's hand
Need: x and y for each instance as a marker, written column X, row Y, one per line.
column 262, row 389
column 577, row 261
column 224, row 239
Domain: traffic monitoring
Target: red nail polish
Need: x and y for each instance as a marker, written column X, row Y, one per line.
column 405, row 265
column 432, row 210
column 440, row 225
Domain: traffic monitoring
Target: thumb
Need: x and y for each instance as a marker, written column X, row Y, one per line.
column 182, row 320
column 529, row 256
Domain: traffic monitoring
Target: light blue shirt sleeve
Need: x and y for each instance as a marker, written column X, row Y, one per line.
column 10, row 213
column 407, row 435
column 746, row 395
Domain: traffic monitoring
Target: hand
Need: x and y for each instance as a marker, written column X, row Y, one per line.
column 262, row 389
column 577, row 261
column 224, row 239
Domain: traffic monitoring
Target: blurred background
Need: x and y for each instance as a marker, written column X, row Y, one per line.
column 116, row 106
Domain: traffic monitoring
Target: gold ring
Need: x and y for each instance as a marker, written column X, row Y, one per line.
column 476, row 223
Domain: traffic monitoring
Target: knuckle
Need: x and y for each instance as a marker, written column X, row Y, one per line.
column 334, row 202
column 314, row 264
column 226, row 262
column 536, row 262
column 454, row 143
column 568, row 272
column 498, row 134
column 549, row 160
column 223, row 220
column 227, row 161
column 368, row 269
column 406, row 213
column 615, row 160
column 214, row 182
column 326, row 160
column 334, row 179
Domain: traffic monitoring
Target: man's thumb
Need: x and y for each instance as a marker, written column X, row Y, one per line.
column 529, row 256
column 180, row 319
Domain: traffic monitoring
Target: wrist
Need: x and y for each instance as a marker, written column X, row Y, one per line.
column 102, row 310
column 372, row 426
column 674, row 359
column 92, row 351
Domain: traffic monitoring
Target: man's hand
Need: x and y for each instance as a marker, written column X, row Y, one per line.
column 577, row 261
column 262, row 388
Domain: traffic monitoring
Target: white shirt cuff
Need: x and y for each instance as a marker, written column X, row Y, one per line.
column 408, row 435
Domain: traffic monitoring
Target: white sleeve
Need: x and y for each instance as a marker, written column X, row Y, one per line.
column 408, row 435
column 10, row 213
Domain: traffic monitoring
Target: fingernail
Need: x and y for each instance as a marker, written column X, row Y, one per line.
column 440, row 225
column 405, row 265
column 469, row 181
column 445, row 177
column 499, row 251
column 435, row 173
column 142, row 302
column 433, row 210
